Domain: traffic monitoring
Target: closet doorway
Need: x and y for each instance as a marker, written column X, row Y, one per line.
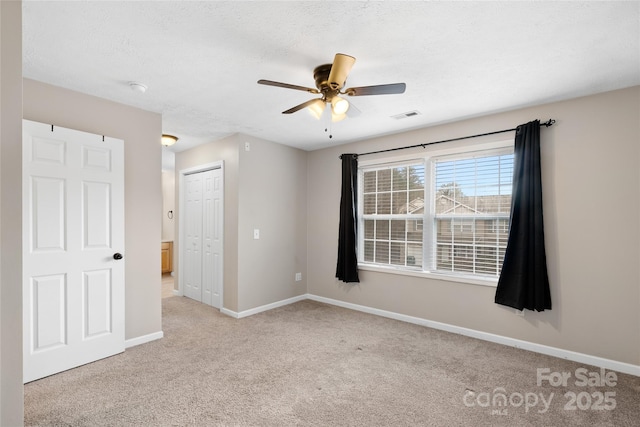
column 201, row 233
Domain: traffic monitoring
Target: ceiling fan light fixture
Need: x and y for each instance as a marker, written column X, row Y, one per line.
column 317, row 108
column 339, row 105
column 168, row 140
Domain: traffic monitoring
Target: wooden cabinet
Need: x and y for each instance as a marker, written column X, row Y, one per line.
column 167, row 257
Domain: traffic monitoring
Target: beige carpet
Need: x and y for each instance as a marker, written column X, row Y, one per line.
column 311, row 364
column 167, row 285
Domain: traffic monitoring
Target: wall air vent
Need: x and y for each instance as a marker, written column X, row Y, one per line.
column 407, row 114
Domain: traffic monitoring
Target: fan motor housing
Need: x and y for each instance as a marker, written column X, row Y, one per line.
column 321, row 76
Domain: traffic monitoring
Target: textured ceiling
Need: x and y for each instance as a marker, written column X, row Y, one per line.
column 201, row 60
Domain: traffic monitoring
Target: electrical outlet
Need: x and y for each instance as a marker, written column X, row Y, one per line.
column 298, row 277
column 256, row 234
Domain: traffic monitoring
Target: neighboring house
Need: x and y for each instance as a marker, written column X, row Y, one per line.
column 472, row 232
column 469, row 228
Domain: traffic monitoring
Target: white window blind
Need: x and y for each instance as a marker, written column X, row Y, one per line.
column 472, row 201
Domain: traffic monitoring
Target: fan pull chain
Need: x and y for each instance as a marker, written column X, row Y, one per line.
column 330, row 135
column 328, row 119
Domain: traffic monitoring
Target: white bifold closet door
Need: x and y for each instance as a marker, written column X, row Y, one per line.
column 202, row 244
column 73, row 245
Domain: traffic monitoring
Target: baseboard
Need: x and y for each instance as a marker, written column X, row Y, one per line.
column 177, row 292
column 229, row 313
column 587, row 359
column 143, row 339
column 267, row 307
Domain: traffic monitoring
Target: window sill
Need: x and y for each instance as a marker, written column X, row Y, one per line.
column 471, row 280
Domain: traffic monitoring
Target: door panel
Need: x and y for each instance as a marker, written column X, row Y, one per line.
column 203, row 227
column 73, row 223
column 96, row 230
column 49, row 310
column 215, row 239
column 207, row 238
column 95, row 158
column 48, row 150
column 193, row 238
column 97, row 303
column 48, row 225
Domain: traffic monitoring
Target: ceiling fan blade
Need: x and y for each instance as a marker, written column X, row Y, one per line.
column 303, row 105
column 376, row 90
column 287, row 86
column 340, row 70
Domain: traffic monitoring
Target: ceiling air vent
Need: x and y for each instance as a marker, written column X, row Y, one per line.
column 407, row 114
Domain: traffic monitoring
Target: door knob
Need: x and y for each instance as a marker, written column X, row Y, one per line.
column 117, row 255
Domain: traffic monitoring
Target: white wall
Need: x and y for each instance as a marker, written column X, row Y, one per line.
column 168, row 204
column 141, row 132
column 272, row 198
column 591, row 197
column 11, row 390
column 265, row 188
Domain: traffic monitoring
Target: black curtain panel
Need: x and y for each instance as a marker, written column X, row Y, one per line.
column 523, row 282
column 347, row 268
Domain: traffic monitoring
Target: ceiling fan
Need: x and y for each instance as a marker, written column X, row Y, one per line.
column 330, row 80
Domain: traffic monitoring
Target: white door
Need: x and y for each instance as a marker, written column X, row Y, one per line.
column 192, row 277
column 203, row 226
column 73, row 240
column 212, row 238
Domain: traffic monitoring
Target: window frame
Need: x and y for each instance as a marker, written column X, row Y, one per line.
column 385, row 217
column 429, row 241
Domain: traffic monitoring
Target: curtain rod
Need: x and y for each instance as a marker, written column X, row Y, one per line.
column 548, row 123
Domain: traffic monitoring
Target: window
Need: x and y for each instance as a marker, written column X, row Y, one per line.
column 392, row 215
column 444, row 214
